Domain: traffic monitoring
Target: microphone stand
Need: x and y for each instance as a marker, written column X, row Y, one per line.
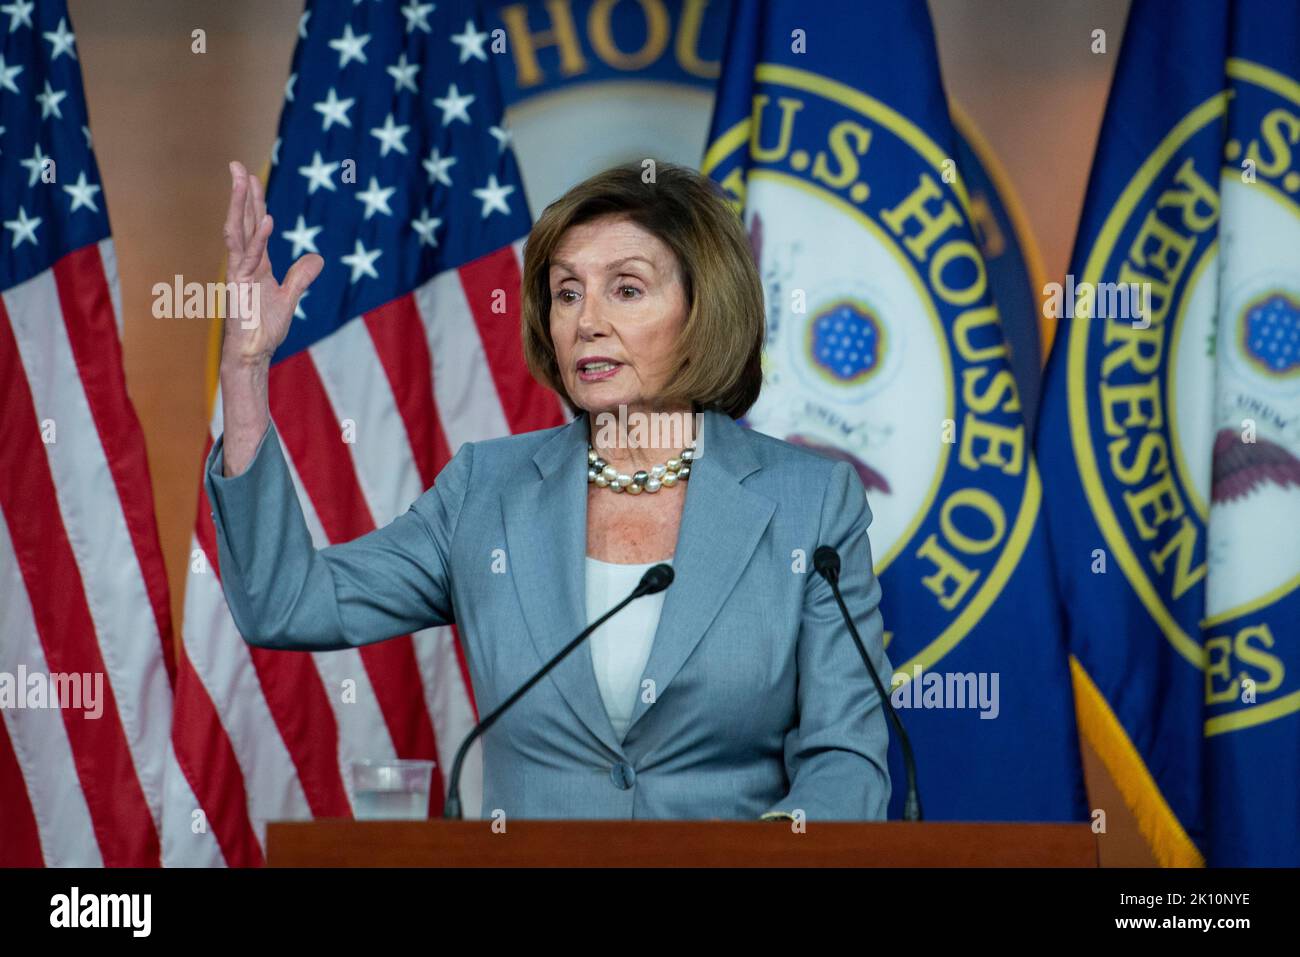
column 655, row 579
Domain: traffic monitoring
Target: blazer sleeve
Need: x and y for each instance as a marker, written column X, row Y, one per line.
column 837, row 756
column 284, row 593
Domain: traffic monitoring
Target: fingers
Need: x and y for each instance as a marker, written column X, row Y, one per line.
column 263, row 266
column 233, row 231
column 247, row 227
column 255, row 251
column 301, row 275
column 259, row 199
column 251, row 219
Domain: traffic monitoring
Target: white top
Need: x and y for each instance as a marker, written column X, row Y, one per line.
column 620, row 648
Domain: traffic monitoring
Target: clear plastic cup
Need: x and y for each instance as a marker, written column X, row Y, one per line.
column 391, row 790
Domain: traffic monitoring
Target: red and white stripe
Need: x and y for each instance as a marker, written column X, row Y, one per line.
column 82, row 583
column 261, row 735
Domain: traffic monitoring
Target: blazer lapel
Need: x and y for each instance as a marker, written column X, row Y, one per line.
column 546, row 535
column 721, row 525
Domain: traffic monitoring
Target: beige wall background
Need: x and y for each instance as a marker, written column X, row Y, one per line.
column 166, row 121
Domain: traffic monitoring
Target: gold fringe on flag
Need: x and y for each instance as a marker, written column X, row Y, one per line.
column 1156, row 820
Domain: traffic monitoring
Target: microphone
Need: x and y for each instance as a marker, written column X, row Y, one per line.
column 826, row 562
column 655, row 580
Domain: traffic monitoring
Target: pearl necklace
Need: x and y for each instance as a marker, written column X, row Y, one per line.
column 600, row 473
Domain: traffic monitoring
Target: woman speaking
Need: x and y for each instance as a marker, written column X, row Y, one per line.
column 735, row 693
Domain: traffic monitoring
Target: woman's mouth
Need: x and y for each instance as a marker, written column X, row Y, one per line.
column 597, row 368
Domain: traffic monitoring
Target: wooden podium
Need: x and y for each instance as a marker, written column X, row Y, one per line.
column 533, row 843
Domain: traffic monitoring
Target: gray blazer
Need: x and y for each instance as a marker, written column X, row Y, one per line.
column 756, row 700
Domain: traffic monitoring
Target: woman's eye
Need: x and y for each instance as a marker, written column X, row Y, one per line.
column 624, row 290
column 560, row 294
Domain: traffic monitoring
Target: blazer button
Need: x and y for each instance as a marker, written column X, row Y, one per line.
column 623, row 776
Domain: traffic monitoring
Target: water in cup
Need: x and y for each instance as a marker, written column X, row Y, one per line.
column 391, row 790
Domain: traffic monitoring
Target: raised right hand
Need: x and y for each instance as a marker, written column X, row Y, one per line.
column 252, row 340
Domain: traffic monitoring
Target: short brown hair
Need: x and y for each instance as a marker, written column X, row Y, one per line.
column 718, row 362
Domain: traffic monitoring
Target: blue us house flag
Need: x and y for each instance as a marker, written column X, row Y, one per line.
column 832, row 136
column 1171, row 438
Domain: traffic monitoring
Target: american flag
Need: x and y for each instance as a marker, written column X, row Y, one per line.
column 83, row 591
column 392, row 162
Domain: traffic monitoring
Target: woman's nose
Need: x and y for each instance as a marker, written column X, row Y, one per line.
column 591, row 323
